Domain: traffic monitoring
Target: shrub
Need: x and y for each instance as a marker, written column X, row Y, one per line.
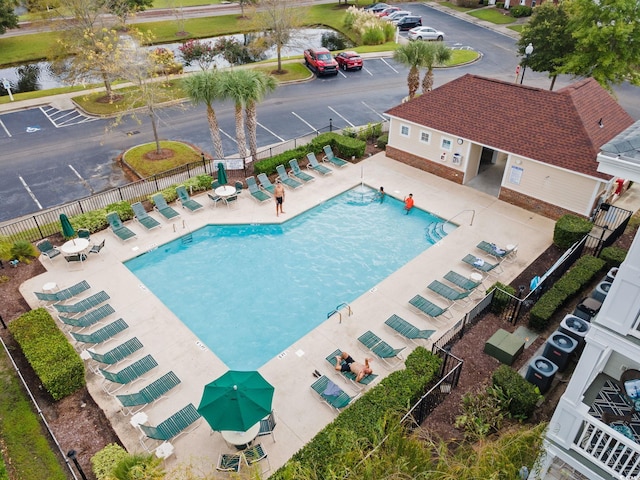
column 104, row 461
column 371, row 131
column 24, row 251
column 523, row 394
column 53, row 359
column 382, row 141
column 139, row 466
column 518, row 11
column 373, row 36
column 613, row 256
column 199, row 183
column 500, row 5
column 333, row 41
column 123, row 209
column 93, row 221
column 569, row 229
column 481, row 414
column 501, row 297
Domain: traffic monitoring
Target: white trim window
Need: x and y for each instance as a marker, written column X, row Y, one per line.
column 446, row 144
column 425, row 137
column 404, row 130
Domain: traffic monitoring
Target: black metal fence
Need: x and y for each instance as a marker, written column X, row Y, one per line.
column 610, row 223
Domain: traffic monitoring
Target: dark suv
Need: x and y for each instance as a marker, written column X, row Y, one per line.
column 409, row 22
column 321, row 61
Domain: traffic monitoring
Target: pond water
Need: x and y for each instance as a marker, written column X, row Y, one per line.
column 38, row 75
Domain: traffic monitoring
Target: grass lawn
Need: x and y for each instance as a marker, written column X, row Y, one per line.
column 459, row 8
column 492, row 15
column 183, row 154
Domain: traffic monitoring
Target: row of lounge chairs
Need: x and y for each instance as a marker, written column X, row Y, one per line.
column 89, row 311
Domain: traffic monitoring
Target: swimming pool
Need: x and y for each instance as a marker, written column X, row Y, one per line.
column 249, row 291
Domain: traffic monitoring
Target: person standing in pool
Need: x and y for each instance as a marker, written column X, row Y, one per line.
column 279, row 196
column 380, row 195
column 408, row 203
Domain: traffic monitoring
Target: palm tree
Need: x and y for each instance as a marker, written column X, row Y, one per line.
column 411, row 55
column 204, row 87
column 262, row 84
column 435, row 54
column 237, row 85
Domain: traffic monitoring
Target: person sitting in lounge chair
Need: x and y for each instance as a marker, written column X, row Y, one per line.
column 345, row 363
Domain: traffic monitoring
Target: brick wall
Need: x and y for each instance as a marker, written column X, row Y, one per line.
column 436, row 167
column 533, row 204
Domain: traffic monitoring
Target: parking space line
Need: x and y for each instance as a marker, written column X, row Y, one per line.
column 303, row 121
column 341, row 73
column 388, row 65
column 367, row 71
column 48, row 117
column 82, row 180
column 277, row 136
column 335, row 111
column 33, row 197
column 228, row 136
column 5, row 128
column 374, row 111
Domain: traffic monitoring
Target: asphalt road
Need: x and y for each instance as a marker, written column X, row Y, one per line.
column 49, row 157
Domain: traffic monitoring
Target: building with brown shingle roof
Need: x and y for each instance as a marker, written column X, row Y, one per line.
column 546, row 142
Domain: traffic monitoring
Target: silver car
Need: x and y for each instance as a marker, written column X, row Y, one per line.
column 395, row 16
column 425, row 33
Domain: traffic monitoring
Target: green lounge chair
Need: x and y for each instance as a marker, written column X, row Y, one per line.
column 338, row 162
column 298, row 173
column 428, row 308
column 90, row 318
column 286, row 179
column 330, row 393
column 175, row 425
column 380, row 348
column 118, row 353
column 64, row 294
column 315, row 165
column 47, row 298
column 266, row 184
column 461, row 281
column 119, row 230
column 128, row 374
column 406, row 330
column 163, row 209
column 350, row 375
column 495, row 251
column 102, row 334
column 143, row 217
column 149, row 394
column 451, row 294
column 481, row 265
column 257, row 194
column 47, row 249
column 229, row 462
column 84, row 304
column 185, row 201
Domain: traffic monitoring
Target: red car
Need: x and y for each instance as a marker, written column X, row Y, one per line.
column 349, row 61
column 320, row 61
column 387, row 11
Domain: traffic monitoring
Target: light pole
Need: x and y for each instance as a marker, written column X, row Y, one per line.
column 527, row 51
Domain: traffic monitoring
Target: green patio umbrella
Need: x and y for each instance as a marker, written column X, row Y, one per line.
column 236, row 401
column 222, row 175
column 67, row 228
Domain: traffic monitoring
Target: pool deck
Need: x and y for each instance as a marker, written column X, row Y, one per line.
column 299, row 413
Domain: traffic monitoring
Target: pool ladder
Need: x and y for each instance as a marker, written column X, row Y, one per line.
column 337, row 310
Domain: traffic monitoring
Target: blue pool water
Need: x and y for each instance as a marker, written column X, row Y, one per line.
column 249, row 291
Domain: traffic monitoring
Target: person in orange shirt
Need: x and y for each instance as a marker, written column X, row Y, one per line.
column 408, row 203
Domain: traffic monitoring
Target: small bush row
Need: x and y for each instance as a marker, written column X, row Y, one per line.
column 572, row 282
column 518, row 11
column 519, row 397
column 613, row 256
column 387, row 401
column 53, row 359
column 113, row 462
column 569, row 229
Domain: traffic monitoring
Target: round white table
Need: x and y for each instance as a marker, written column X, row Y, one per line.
column 241, row 440
column 225, row 191
column 50, row 287
column 74, row 246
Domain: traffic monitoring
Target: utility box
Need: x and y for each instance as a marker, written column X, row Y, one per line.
column 587, row 308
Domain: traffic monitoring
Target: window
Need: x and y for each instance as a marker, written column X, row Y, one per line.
column 446, row 144
column 425, row 137
column 404, row 130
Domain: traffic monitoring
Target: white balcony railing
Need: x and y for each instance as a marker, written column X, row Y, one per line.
column 609, row 449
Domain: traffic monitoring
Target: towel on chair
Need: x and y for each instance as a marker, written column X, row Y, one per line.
column 332, row 389
column 478, row 262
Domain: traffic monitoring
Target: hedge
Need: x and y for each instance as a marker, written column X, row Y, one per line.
column 569, row 229
column 571, row 283
column 387, row 401
column 523, row 395
column 614, row 256
column 55, row 362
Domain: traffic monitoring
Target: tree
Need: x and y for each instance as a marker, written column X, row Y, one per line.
column 236, row 85
column 204, row 88
column 260, row 85
column 8, row 19
column 278, row 19
column 124, row 8
column 435, row 54
column 412, row 55
column 548, row 32
column 196, row 51
column 243, row 3
column 607, row 40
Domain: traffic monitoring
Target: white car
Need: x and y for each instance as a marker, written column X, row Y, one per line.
column 395, row 16
column 425, row 33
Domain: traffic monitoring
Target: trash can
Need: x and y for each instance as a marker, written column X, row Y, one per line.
column 587, row 308
column 559, row 348
column 576, row 328
column 541, row 372
column 601, row 290
column 611, row 275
